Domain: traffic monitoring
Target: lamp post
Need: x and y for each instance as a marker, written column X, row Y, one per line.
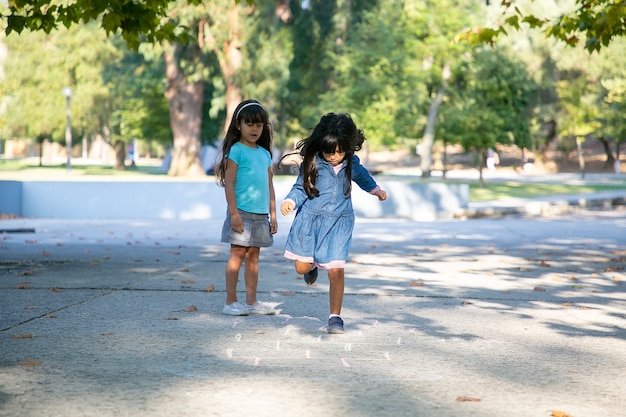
column 67, row 92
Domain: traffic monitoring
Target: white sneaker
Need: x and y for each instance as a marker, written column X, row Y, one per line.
column 261, row 308
column 235, row 309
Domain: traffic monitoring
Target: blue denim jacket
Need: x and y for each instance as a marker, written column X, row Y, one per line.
column 331, row 186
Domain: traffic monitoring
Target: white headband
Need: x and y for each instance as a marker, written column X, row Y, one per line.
column 246, row 105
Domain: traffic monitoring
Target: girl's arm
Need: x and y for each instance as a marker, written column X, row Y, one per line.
column 362, row 177
column 296, row 197
column 273, row 221
column 231, row 200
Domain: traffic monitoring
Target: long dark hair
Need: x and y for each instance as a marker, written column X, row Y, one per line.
column 333, row 131
column 248, row 111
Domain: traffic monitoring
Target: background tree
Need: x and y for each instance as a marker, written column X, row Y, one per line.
column 489, row 106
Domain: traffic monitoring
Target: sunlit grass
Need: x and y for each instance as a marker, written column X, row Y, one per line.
column 513, row 189
column 27, row 166
column 492, row 190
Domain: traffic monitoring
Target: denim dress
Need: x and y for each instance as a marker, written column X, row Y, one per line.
column 321, row 231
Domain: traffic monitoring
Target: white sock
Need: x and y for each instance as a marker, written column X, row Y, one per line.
column 333, row 315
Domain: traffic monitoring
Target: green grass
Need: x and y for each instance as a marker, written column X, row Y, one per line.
column 492, row 190
column 513, row 189
column 27, row 166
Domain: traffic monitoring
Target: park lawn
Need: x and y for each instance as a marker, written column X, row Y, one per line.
column 492, row 190
column 513, row 189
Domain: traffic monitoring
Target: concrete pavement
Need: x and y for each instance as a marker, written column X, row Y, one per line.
column 517, row 316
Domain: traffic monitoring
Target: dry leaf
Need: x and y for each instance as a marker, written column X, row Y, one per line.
column 557, row 413
column 260, row 332
column 49, row 316
column 419, row 283
column 22, row 336
column 210, row 288
column 55, row 290
column 191, row 308
column 467, row 399
column 21, row 286
column 539, row 289
column 30, row 363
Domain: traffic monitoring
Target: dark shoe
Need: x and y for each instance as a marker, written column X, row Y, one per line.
column 311, row 276
column 335, row 325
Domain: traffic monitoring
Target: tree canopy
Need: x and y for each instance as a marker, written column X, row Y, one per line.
column 135, row 21
column 597, row 21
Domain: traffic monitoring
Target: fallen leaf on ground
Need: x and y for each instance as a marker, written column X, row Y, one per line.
column 30, row 363
column 210, row 288
column 539, row 289
column 191, row 308
column 55, row 290
column 418, row 283
column 22, row 336
column 557, row 413
column 467, row 399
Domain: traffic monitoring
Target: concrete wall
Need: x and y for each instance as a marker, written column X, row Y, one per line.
column 11, row 197
column 186, row 200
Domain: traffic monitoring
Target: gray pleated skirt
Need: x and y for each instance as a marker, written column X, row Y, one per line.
column 256, row 231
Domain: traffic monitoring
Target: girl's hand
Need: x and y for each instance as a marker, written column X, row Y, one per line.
column 287, row 207
column 236, row 223
column 381, row 194
column 273, row 225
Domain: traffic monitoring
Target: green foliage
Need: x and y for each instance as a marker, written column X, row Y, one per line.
column 489, row 99
column 599, row 22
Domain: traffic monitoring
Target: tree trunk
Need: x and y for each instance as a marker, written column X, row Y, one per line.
column 426, row 148
column 120, row 155
column 610, row 159
column 230, row 59
column 581, row 156
column 185, row 103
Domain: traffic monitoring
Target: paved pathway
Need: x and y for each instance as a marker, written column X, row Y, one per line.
column 514, row 316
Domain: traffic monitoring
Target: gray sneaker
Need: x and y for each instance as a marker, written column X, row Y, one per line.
column 260, row 308
column 235, row 309
column 335, row 325
column 311, row 276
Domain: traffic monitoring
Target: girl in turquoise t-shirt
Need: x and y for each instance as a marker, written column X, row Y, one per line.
column 245, row 172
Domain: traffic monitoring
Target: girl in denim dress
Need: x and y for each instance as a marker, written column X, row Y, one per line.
column 321, row 231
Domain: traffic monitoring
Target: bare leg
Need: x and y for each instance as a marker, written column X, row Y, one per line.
column 251, row 274
column 303, row 267
column 237, row 255
column 336, row 279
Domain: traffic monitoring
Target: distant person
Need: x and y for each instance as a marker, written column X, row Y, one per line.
column 245, row 172
column 321, row 231
column 492, row 160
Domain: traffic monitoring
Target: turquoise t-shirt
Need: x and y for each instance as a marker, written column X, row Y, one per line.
column 252, row 183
